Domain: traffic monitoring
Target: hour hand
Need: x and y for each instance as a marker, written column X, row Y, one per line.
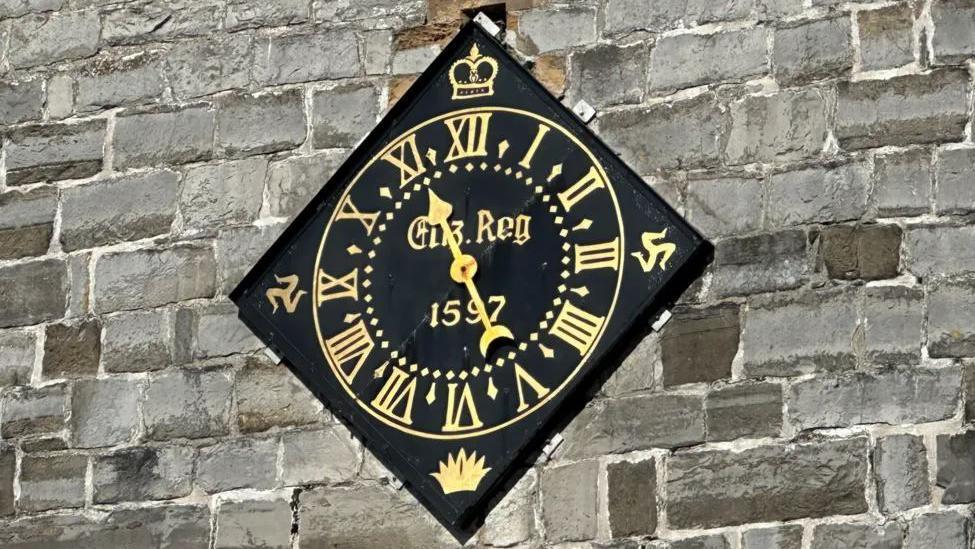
column 439, row 210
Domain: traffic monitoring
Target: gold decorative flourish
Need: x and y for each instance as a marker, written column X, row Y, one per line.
column 289, row 294
column 462, row 474
column 475, row 84
column 655, row 250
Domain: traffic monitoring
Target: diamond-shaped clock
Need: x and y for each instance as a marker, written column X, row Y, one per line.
column 456, row 287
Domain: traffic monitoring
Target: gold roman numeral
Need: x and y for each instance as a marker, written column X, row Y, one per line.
column 352, row 345
column 397, row 394
column 526, row 161
column 406, row 158
column 349, row 211
column 581, row 188
column 459, row 407
column 522, row 377
column 469, row 133
column 603, row 255
column 345, row 286
column 576, row 327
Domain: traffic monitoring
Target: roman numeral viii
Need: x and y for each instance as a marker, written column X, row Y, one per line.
column 576, row 327
column 350, row 347
column 469, row 135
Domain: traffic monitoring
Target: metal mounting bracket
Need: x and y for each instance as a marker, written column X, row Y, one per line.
column 661, row 320
column 584, row 111
column 272, row 355
column 489, row 26
column 552, row 445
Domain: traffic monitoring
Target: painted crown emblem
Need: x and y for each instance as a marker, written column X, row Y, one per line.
column 473, row 76
column 462, row 474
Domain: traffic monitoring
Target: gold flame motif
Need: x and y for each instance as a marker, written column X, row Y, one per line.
column 462, row 474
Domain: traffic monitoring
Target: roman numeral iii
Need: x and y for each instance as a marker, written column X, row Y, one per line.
column 576, row 327
column 605, row 255
column 469, row 135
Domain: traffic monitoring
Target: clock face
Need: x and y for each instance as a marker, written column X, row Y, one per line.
column 468, row 272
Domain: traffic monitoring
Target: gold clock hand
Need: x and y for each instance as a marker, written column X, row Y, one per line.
column 462, row 270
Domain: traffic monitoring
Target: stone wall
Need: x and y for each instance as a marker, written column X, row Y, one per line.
column 814, row 391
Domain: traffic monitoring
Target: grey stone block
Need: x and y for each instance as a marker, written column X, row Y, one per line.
column 271, row 396
column 569, row 501
column 208, row 65
column 892, row 331
column 256, row 124
column 16, row 8
column 512, row 521
column 776, row 537
column 238, row 463
column 294, row 181
column 928, row 108
column 936, row 251
column 328, row 456
column 48, row 152
column 608, row 74
column 636, row 373
column 377, row 51
column 715, row 541
column 635, row 423
column 846, row 536
column 21, row 101
column 557, row 28
column 955, row 181
column 211, row 332
column 26, row 222
column 902, row 183
column 238, row 248
column 785, row 334
column 297, row 57
column 17, row 350
column 888, row 396
column 150, row 278
column 818, row 195
column 111, row 81
column 8, row 473
column 214, row 195
column 760, row 263
column 688, row 60
column 33, row 292
column 32, row 411
column 768, row 483
column 148, row 139
column 52, row 482
column 60, row 96
column 344, row 114
column 623, row 16
column 139, row 341
column 187, row 404
column 140, row 474
column 632, row 500
column 951, row 319
column 104, row 412
column 72, row 349
column 262, row 523
column 242, row 14
column 944, row 529
column 900, row 465
column 886, row 37
column 123, row 208
column 788, row 125
column 79, row 276
column 698, row 345
column 956, row 467
column 954, row 26
column 43, row 39
column 413, row 60
column 868, row 252
column 812, row 50
column 136, row 23
column 746, row 410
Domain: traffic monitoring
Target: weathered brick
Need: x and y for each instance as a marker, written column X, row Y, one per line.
column 242, row 14
column 8, row 473
column 713, row 541
column 112, row 80
column 72, row 349
column 17, row 350
column 632, row 501
column 377, row 51
column 187, row 404
column 550, row 70
column 44, row 39
column 60, row 96
column 48, row 152
column 238, row 463
column 892, row 331
column 933, row 251
column 80, row 277
column 683, row 134
column 944, row 529
column 254, row 523
column 140, row 474
column 26, row 222
column 238, row 248
column 886, row 37
column 292, row 182
column 698, row 345
column 123, row 208
column 777, row 537
column 888, row 396
column 255, row 124
column 208, row 65
column 955, row 177
column 569, row 501
column 609, row 74
column 848, row 535
column 147, row 139
column 788, row 125
column 343, row 114
column 52, row 482
column 768, row 483
column 902, row 183
column 901, row 469
column 635, row 423
column 150, row 278
column 269, row 395
column 688, row 60
column 413, row 60
column 297, row 57
column 927, row 108
column 136, row 342
column 623, row 16
column 33, row 292
column 21, row 101
column 817, row 195
column 346, row 517
column 760, row 263
column 136, row 23
column 327, row 456
column 868, row 252
column 374, row 13
column 956, row 467
column 812, row 50
column 16, row 8
column 748, row 410
column 785, row 335
column 104, row 412
column 557, row 28
column 512, row 521
column 210, row 332
column 223, row 194
column 951, row 319
column 636, row 373
column 33, row 411
column 954, row 26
